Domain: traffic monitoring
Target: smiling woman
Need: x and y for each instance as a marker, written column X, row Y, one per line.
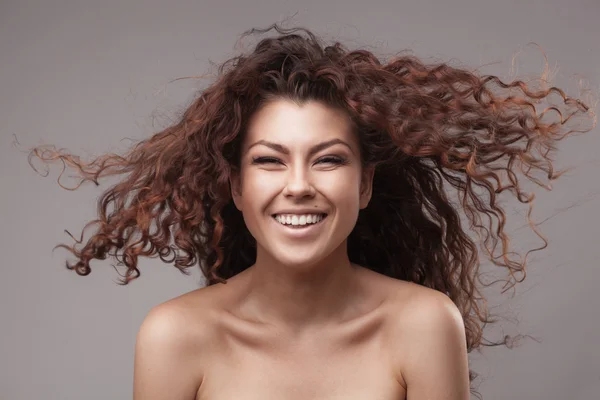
column 314, row 188
column 299, row 161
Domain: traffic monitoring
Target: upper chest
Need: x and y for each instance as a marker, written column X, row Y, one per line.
column 352, row 362
column 324, row 378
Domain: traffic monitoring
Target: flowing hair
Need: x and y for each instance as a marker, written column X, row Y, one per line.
column 444, row 141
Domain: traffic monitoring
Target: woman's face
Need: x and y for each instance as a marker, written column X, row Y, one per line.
column 300, row 184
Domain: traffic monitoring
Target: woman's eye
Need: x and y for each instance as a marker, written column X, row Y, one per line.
column 324, row 160
column 331, row 160
column 265, row 160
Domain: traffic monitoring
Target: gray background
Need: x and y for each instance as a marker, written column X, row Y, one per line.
column 85, row 74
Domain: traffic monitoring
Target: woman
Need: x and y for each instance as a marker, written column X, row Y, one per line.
column 311, row 185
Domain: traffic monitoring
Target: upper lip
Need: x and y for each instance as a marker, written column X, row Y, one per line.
column 301, row 211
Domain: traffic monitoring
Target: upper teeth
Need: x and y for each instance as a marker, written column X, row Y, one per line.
column 291, row 219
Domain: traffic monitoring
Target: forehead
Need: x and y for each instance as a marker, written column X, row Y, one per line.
column 284, row 121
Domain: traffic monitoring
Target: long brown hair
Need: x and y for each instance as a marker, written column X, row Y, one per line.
column 445, row 143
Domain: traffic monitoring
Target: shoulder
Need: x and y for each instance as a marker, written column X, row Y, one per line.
column 171, row 347
column 430, row 344
column 428, row 308
column 173, row 322
column 187, row 320
column 184, row 318
column 416, row 311
column 410, row 301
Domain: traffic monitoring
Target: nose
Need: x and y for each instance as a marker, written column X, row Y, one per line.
column 299, row 184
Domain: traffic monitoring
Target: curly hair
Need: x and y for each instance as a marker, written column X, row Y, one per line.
column 444, row 141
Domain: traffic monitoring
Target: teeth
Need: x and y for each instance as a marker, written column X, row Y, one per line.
column 298, row 220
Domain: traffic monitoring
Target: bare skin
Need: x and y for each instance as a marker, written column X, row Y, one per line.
column 203, row 346
column 303, row 322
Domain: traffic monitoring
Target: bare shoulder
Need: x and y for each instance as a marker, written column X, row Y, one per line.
column 184, row 317
column 410, row 302
column 429, row 342
column 427, row 317
column 172, row 345
column 422, row 306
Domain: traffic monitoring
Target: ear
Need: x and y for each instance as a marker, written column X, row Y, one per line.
column 366, row 185
column 235, row 185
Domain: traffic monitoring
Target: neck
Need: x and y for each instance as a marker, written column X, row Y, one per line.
column 304, row 296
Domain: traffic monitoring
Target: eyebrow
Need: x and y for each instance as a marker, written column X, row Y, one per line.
column 313, row 150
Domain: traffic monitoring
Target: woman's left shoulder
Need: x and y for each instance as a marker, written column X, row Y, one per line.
column 421, row 305
column 425, row 333
column 411, row 310
column 409, row 299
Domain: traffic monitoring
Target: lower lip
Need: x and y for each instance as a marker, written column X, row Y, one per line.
column 302, row 230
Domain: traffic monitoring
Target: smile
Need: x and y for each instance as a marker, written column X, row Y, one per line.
column 300, row 225
column 299, row 221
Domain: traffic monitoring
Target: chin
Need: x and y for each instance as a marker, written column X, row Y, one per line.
column 302, row 258
column 301, row 262
column 302, row 255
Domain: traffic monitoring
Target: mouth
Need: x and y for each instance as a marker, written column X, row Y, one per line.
column 299, row 222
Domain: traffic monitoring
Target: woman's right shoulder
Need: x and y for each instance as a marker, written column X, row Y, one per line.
column 192, row 313
column 173, row 345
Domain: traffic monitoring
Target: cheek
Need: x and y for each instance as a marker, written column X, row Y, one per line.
column 258, row 188
column 343, row 188
column 256, row 183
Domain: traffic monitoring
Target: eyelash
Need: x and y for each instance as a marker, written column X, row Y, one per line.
column 272, row 160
